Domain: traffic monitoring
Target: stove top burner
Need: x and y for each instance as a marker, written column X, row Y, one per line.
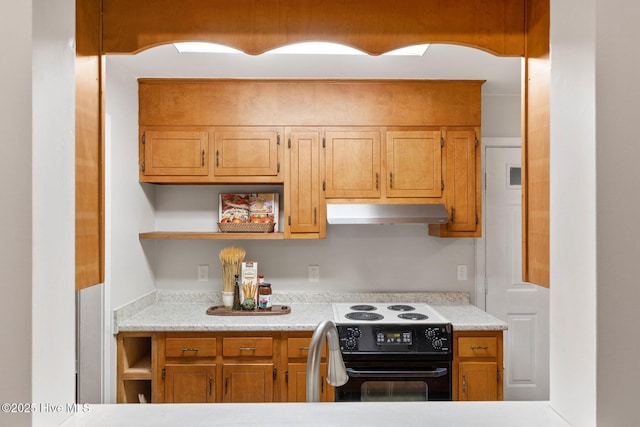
column 363, row 307
column 364, row 315
column 413, row 316
column 401, row 307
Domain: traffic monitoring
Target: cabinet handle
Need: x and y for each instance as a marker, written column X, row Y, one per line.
column 376, row 180
column 479, row 347
column 315, row 215
column 303, row 348
column 247, row 349
column 322, row 384
column 453, row 213
column 226, row 384
column 464, row 383
column 202, row 158
column 210, row 386
column 217, row 158
column 390, row 179
column 190, row 349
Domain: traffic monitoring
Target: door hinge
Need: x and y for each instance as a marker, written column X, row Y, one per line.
column 289, row 143
column 164, row 373
column 486, row 286
column 289, row 220
column 324, row 186
column 275, row 373
column 324, row 142
column 475, row 141
column 441, row 142
column 278, row 167
column 442, row 185
column 286, row 377
column 497, row 376
column 143, row 166
column 278, row 139
column 144, row 137
column 477, row 221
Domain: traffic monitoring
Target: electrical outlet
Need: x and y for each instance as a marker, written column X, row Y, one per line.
column 203, row 272
column 461, row 271
column 314, row 273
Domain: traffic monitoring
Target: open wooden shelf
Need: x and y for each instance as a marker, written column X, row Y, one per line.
column 209, row 235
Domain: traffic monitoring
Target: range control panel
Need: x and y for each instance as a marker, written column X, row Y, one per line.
column 431, row 339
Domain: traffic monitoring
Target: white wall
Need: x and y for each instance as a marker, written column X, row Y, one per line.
column 37, row 168
column 53, row 215
column 15, row 223
column 594, row 211
column 618, row 176
column 573, row 217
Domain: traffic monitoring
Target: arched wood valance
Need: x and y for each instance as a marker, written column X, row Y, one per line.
column 373, row 26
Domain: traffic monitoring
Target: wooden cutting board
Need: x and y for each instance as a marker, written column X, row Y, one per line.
column 220, row 310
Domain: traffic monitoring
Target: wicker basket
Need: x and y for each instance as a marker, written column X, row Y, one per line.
column 246, row 227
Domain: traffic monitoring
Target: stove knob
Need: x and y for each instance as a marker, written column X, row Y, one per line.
column 351, row 343
column 430, row 333
column 437, row 344
column 355, row 333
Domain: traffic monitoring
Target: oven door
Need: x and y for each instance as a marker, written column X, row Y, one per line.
column 396, row 381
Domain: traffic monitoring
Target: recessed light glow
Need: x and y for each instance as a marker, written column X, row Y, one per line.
column 201, row 47
column 307, row 48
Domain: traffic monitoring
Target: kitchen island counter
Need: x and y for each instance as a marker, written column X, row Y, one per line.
column 175, row 311
column 384, row 414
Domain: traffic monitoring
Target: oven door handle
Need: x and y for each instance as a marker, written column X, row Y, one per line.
column 438, row 372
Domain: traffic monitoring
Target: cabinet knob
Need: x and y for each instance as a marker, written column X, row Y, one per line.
column 190, row 349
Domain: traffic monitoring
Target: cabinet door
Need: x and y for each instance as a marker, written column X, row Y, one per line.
column 304, row 182
column 414, row 164
column 246, row 153
column 190, row 383
column 245, row 383
column 478, row 381
column 352, row 164
column 297, row 383
column 175, row 153
column 461, row 180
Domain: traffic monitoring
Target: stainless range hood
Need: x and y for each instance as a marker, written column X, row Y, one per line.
column 386, row 214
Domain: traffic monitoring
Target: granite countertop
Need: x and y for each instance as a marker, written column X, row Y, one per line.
column 164, row 311
column 372, row 414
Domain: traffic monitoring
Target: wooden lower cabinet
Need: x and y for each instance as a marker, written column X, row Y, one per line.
column 244, row 383
column 189, row 383
column 477, row 365
column 210, row 367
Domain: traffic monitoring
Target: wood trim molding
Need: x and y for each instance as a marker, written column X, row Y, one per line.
column 256, row 26
column 89, row 136
column 535, row 145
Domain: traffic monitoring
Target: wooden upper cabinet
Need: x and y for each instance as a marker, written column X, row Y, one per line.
column 414, row 164
column 461, row 179
column 174, row 153
column 246, row 153
column 303, row 209
column 463, row 193
column 352, row 164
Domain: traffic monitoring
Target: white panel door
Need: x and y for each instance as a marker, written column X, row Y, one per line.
column 524, row 307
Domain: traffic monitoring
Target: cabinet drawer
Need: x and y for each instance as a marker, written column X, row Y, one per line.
column 190, row 347
column 477, row 347
column 247, row 347
column 299, row 347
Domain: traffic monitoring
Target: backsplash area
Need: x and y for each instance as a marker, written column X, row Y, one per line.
column 353, row 258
